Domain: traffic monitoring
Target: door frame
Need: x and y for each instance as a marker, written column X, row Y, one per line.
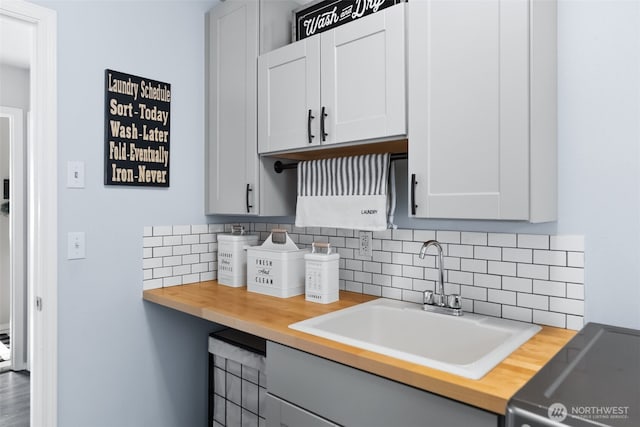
column 42, row 223
column 17, row 236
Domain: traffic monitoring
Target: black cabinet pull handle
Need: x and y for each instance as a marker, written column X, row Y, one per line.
column 247, row 198
column 322, row 116
column 309, row 118
column 413, row 194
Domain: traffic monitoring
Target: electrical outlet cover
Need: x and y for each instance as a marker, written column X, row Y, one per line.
column 364, row 245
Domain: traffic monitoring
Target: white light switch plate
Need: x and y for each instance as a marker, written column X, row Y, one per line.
column 75, row 174
column 75, row 245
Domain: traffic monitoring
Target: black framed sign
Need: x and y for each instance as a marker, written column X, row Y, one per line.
column 137, row 130
column 323, row 15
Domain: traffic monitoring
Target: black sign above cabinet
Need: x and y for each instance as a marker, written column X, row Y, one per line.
column 323, row 15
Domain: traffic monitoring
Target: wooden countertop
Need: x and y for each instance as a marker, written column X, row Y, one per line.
column 269, row 317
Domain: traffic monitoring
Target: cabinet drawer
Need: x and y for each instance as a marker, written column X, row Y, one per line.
column 284, row 414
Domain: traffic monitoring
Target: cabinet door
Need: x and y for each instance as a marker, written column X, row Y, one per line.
column 468, row 108
column 232, row 160
column 284, row 414
column 289, row 96
column 363, row 78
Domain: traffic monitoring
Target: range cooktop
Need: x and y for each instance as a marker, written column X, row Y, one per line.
column 593, row 380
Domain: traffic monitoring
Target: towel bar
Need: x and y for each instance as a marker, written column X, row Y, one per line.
column 278, row 166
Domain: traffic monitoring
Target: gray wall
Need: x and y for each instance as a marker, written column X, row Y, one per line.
column 128, row 363
column 124, row 362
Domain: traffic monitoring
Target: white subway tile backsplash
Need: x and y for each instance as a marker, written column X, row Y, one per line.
column 565, row 305
column 473, row 292
column 392, row 246
column 162, row 230
column 575, row 259
column 448, row 236
column 353, row 264
column 151, row 242
column 567, row 274
column 402, row 282
column 549, row 318
column 487, row 252
column 501, row 268
column 413, row 272
column 361, row 276
column 540, row 302
column 393, row 293
column 423, row 235
column 380, row 256
column 575, row 291
column 402, row 234
column 544, row 287
column 567, row 243
column 501, row 297
column 412, row 296
column 517, row 313
column 517, row 284
column 381, row 279
column 504, row 240
column 575, row 322
column 517, row 255
column 550, row 257
column 372, row 267
column 473, row 238
column 526, row 277
column 400, row 258
column 487, row 308
column 487, row 280
column 201, row 229
column 533, row 241
column 473, row 265
column 462, row 251
column 411, row 247
column 392, row 269
column 460, row 277
column 171, row 240
column 533, row 271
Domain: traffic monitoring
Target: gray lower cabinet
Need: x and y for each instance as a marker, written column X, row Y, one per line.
column 284, row 414
column 306, row 390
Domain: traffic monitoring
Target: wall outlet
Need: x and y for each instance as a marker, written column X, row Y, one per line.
column 365, row 238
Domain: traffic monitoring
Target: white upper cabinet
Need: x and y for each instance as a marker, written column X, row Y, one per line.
column 232, row 162
column 237, row 180
column 482, row 109
column 343, row 85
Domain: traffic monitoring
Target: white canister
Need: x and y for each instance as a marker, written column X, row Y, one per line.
column 321, row 274
column 232, row 256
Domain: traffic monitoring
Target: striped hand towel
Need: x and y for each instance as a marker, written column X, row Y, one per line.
column 355, row 192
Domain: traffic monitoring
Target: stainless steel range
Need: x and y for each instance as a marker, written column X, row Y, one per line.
column 593, row 380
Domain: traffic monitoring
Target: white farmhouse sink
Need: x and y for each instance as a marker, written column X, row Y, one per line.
column 469, row 345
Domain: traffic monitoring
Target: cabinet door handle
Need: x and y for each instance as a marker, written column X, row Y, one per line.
column 322, row 132
column 247, row 198
column 309, row 118
column 413, row 194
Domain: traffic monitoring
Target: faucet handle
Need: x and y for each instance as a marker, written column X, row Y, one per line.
column 454, row 301
column 428, row 297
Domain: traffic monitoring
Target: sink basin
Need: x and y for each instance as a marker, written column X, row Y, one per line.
column 469, row 346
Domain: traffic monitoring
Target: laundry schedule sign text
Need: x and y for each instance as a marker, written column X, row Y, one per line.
column 137, row 130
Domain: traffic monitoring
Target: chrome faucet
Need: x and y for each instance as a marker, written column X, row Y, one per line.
column 439, row 301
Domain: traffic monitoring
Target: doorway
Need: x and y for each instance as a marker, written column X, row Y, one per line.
column 13, row 283
column 41, row 205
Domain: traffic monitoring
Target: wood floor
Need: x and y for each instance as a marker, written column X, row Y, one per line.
column 14, row 399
